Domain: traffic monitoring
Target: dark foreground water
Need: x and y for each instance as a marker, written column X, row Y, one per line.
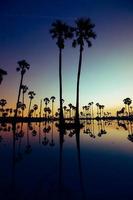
column 37, row 162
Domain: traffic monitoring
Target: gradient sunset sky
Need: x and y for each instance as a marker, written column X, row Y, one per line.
column 107, row 69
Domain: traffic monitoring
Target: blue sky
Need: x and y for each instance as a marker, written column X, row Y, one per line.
column 107, row 66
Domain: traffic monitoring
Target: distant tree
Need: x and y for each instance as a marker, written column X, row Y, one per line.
column 23, row 66
column 53, row 100
column 70, row 108
column 83, row 34
column 24, row 90
column 127, row 102
column 35, row 107
column 97, row 104
column 61, row 32
column 3, row 102
column 31, row 97
column 2, row 73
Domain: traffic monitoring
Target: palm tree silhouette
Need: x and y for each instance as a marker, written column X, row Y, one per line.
column 46, row 101
column 2, row 73
column 60, row 31
column 70, row 106
column 24, row 90
column 35, row 107
column 31, row 97
column 83, row 34
column 127, row 102
column 53, row 100
column 3, row 102
column 23, row 66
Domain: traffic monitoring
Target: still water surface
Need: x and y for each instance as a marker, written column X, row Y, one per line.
column 37, row 162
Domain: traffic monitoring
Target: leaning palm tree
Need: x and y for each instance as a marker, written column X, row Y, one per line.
column 60, row 31
column 53, row 100
column 83, row 34
column 2, row 73
column 31, row 97
column 23, row 66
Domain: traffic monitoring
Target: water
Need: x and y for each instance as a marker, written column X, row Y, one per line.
column 37, row 162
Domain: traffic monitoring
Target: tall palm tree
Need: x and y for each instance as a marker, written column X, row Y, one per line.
column 127, row 102
column 23, row 66
column 61, row 32
column 24, row 90
column 31, row 97
column 53, row 100
column 46, row 101
column 83, row 34
column 2, row 73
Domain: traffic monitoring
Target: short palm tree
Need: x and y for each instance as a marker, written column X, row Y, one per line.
column 23, row 66
column 127, row 102
column 3, row 102
column 83, row 34
column 53, row 100
column 24, row 90
column 31, row 97
column 35, row 107
column 60, row 31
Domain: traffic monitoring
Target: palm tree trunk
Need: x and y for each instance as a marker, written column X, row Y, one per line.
column 60, row 84
column 23, row 103
column 19, row 92
column 78, row 80
column 40, row 108
column 52, row 109
column 29, row 107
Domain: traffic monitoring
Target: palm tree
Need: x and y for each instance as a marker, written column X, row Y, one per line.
column 60, row 31
column 24, row 90
column 3, row 102
column 83, row 34
column 35, row 107
column 127, row 102
column 70, row 106
column 2, row 73
column 31, row 97
column 97, row 104
column 23, row 66
column 53, row 100
column 46, row 101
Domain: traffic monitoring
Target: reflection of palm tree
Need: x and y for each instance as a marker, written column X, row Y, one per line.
column 52, row 138
column 53, row 100
column 127, row 102
column 23, row 66
column 77, row 130
column 31, row 97
column 28, row 146
column 2, row 73
column 60, row 31
column 84, row 32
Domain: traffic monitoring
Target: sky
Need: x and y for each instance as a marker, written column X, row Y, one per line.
column 107, row 67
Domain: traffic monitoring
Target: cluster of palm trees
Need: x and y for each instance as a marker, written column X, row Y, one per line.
column 127, row 110
column 81, row 33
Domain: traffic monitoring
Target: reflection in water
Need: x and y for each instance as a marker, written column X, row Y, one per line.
column 47, row 166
